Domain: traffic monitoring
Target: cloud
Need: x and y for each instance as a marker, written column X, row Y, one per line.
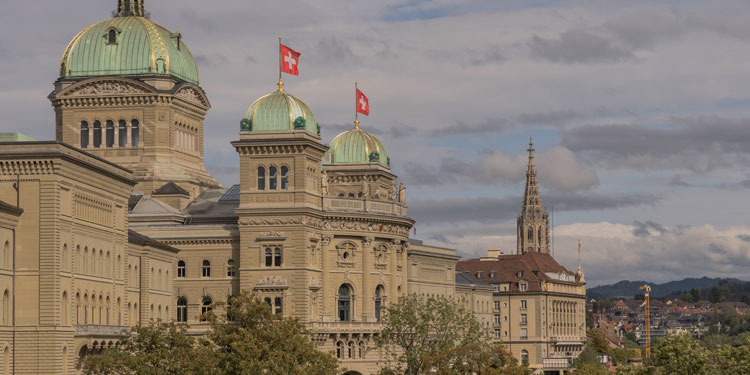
column 698, row 144
column 678, row 181
column 557, row 167
column 578, row 46
column 454, row 210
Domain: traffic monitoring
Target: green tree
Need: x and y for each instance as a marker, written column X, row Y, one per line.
column 438, row 336
column 598, row 340
column 155, row 349
column 257, row 341
column 681, row 355
column 254, row 342
column 696, row 293
column 733, row 360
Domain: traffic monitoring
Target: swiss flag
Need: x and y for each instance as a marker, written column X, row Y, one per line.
column 289, row 59
column 363, row 104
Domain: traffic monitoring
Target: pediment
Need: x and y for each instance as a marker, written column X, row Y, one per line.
column 192, row 95
column 99, row 87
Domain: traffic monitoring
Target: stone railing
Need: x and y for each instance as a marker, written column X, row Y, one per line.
column 550, row 363
column 344, row 327
column 100, row 330
column 363, row 205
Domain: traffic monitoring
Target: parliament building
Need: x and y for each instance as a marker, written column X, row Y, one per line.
column 117, row 222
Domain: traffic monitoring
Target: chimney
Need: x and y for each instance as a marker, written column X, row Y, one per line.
column 494, row 253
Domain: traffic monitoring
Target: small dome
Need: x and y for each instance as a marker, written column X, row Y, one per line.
column 356, row 146
column 279, row 111
column 125, row 45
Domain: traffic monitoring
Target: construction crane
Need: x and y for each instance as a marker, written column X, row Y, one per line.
column 647, row 312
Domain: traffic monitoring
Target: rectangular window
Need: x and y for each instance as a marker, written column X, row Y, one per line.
column 523, row 319
column 524, row 334
column 497, row 306
column 278, row 305
column 497, row 320
column 523, row 304
column 497, row 333
column 522, row 287
column 479, row 274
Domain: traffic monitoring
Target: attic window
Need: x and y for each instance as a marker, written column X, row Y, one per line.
column 479, row 274
column 112, row 36
column 522, row 287
column 492, row 274
column 520, row 273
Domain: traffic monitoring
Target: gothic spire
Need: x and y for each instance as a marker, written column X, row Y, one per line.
column 533, row 221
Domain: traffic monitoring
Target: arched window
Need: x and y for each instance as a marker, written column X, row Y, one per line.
column 378, row 301
column 110, row 133
column 84, row 134
column 97, row 134
column 181, row 269
column 344, row 303
column 278, row 306
column 284, row 178
column 112, row 36
column 277, row 257
column 205, row 307
column 206, row 268
column 272, row 178
column 78, row 308
column 65, row 258
column 362, row 349
column 65, row 360
column 122, row 136
column 134, row 133
column 267, row 300
column 339, row 350
column 540, row 236
column 230, row 317
column 119, row 312
column 525, row 357
column 231, row 269
column 269, row 257
column 531, row 234
column 350, row 351
column 261, row 178
column 65, row 308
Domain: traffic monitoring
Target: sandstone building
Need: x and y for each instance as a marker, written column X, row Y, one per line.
column 539, row 306
column 117, row 222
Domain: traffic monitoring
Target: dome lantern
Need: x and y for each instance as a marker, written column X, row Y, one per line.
column 128, row 8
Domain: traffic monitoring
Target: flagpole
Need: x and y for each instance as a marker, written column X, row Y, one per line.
column 281, row 84
column 356, row 113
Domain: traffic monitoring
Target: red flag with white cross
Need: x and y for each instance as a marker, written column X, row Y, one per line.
column 289, row 60
column 363, row 104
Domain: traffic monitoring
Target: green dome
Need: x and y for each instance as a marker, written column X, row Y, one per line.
column 279, row 112
column 356, row 146
column 128, row 45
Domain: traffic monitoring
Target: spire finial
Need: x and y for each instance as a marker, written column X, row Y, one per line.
column 531, row 148
column 356, row 124
column 128, row 8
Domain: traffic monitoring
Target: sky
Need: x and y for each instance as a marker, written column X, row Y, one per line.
column 639, row 110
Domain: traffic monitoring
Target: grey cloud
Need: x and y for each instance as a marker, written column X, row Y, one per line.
column 487, row 127
column 212, row 60
column 647, row 228
column 250, row 59
column 678, row 181
column 579, row 46
column 399, row 130
column 745, row 184
column 491, row 55
column 484, row 209
column 559, row 170
column 333, row 51
column 744, row 237
column 698, row 144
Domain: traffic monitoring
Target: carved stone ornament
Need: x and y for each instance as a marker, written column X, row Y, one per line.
column 108, row 88
column 189, row 95
column 326, row 240
column 367, row 241
column 270, row 282
column 271, row 236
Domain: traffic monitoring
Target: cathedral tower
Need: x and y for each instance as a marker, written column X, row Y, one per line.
column 533, row 222
column 128, row 91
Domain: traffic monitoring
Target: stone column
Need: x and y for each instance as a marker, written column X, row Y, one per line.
column 327, row 298
column 394, row 270
column 368, row 313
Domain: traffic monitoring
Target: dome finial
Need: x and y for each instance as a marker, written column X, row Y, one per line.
column 128, row 8
column 356, row 124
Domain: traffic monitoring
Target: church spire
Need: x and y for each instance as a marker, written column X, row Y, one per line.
column 533, row 221
column 128, row 8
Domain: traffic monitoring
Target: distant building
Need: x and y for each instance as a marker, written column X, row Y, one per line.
column 539, row 307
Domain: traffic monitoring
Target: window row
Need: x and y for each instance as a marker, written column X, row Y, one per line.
column 160, row 280
column 345, row 301
column 184, row 140
column 206, row 268
column 182, row 304
column 274, row 180
column 92, row 262
column 350, row 350
column 123, row 134
column 276, row 305
column 91, row 310
column 540, row 234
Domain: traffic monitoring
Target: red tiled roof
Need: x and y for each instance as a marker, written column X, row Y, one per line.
column 532, row 264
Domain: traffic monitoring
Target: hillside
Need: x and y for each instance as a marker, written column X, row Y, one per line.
column 628, row 289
